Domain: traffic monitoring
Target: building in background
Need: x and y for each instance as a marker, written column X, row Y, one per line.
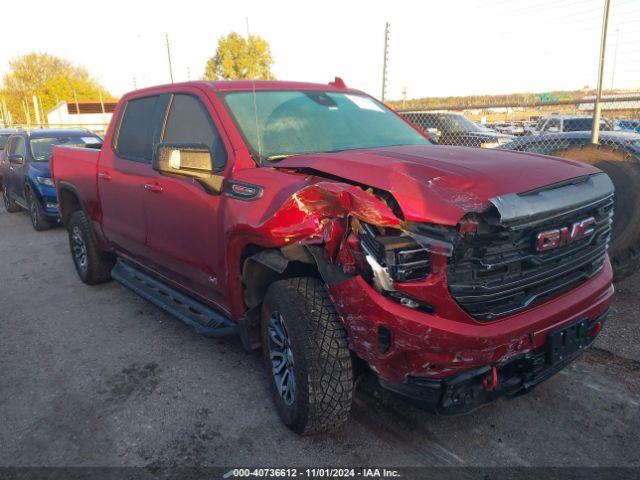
column 93, row 116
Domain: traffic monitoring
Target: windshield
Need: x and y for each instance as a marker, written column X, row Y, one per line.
column 41, row 147
column 3, row 139
column 287, row 122
column 455, row 123
column 459, row 123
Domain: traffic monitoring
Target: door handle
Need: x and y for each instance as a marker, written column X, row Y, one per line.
column 153, row 187
column 106, row 176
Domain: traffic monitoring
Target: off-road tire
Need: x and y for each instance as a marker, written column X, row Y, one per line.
column 39, row 222
column 9, row 204
column 98, row 264
column 323, row 369
column 624, row 171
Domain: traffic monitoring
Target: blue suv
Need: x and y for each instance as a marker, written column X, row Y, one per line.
column 26, row 177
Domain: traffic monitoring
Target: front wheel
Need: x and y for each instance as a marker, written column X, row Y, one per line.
column 307, row 356
column 9, row 205
column 35, row 212
column 93, row 265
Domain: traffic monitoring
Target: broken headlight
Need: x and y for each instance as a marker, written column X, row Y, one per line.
column 393, row 253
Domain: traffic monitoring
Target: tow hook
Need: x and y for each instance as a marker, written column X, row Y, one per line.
column 595, row 330
column 491, row 381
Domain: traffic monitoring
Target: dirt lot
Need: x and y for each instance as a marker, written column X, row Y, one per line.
column 97, row 376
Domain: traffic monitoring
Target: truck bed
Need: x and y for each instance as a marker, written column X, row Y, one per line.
column 77, row 167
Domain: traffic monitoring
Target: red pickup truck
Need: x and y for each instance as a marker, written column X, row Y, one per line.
column 317, row 224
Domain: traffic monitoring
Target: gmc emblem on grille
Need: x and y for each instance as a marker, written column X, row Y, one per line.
column 559, row 237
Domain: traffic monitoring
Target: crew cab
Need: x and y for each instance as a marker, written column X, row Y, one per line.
column 26, row 179
column 320, row 226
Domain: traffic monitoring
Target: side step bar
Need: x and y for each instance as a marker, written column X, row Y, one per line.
column 204, row 320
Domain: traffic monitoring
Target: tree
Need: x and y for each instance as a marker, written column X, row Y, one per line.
column 237, row 58
column 51, row 79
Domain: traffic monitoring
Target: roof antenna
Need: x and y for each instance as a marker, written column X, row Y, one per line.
column 255, row 114
column 255, row 101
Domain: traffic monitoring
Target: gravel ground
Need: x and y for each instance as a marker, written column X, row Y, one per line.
column 96, row 376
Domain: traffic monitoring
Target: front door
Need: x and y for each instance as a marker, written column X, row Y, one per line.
column 184, row 221
column 124, row 171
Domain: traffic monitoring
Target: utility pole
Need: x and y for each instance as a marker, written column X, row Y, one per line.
column 36, row 109
column 385, row 59
column 246, row 20
column 404, row 97
column 104, row 113
column 615, row 58
column 595, row 129
column 169, row 57
column 75, row 99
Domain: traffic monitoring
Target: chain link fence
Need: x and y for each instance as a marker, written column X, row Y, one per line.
column 548, row 128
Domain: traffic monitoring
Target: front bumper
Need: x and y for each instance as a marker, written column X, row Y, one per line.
column 399, row 343
column 48, row 201
column 465, row 392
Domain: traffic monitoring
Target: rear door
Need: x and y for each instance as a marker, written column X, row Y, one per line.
column 125, row 169
column 184, row 222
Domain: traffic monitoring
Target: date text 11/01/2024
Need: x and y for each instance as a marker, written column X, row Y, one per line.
column 313, row 473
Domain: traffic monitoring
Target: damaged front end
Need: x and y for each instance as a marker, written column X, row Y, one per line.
column 453, row 315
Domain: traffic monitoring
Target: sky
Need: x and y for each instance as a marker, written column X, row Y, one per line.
column 436, row 47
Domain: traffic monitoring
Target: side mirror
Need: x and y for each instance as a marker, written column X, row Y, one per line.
column 16, row 159
column 188, row 160
column 553, row 130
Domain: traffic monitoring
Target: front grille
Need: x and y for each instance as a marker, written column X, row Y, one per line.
column 500, row 273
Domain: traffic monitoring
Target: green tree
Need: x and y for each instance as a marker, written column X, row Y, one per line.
column 237, row 58
column 51, row 79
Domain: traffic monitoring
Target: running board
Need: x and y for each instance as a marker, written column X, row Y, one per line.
column 204, row 320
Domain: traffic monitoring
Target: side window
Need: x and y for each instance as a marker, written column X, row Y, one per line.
column 11, row 142
column 19, row 146
column 138, row 128
column 551, row 124
column 189, row 122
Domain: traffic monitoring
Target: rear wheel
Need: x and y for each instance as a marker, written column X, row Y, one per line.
column 9, row 205
column 93, row 265
column 624, row 171
column 306, row 355
column 38, row 220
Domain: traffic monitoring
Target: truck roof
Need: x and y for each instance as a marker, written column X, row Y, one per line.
column 52, row 132
column 245, row 85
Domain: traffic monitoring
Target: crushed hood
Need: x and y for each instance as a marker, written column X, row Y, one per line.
column 440, row 184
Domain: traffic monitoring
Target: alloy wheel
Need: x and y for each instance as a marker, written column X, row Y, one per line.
column 79, row 249
column 33, row 209
column 281, row 355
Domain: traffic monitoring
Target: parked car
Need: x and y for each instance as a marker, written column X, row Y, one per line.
column 631, row 125
column 319, row 225
column 5, row 133
column 512, row 128
column 569, row 123
column 618, row 154
column 550, row 143
column 26, row 175
column 456, row 129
